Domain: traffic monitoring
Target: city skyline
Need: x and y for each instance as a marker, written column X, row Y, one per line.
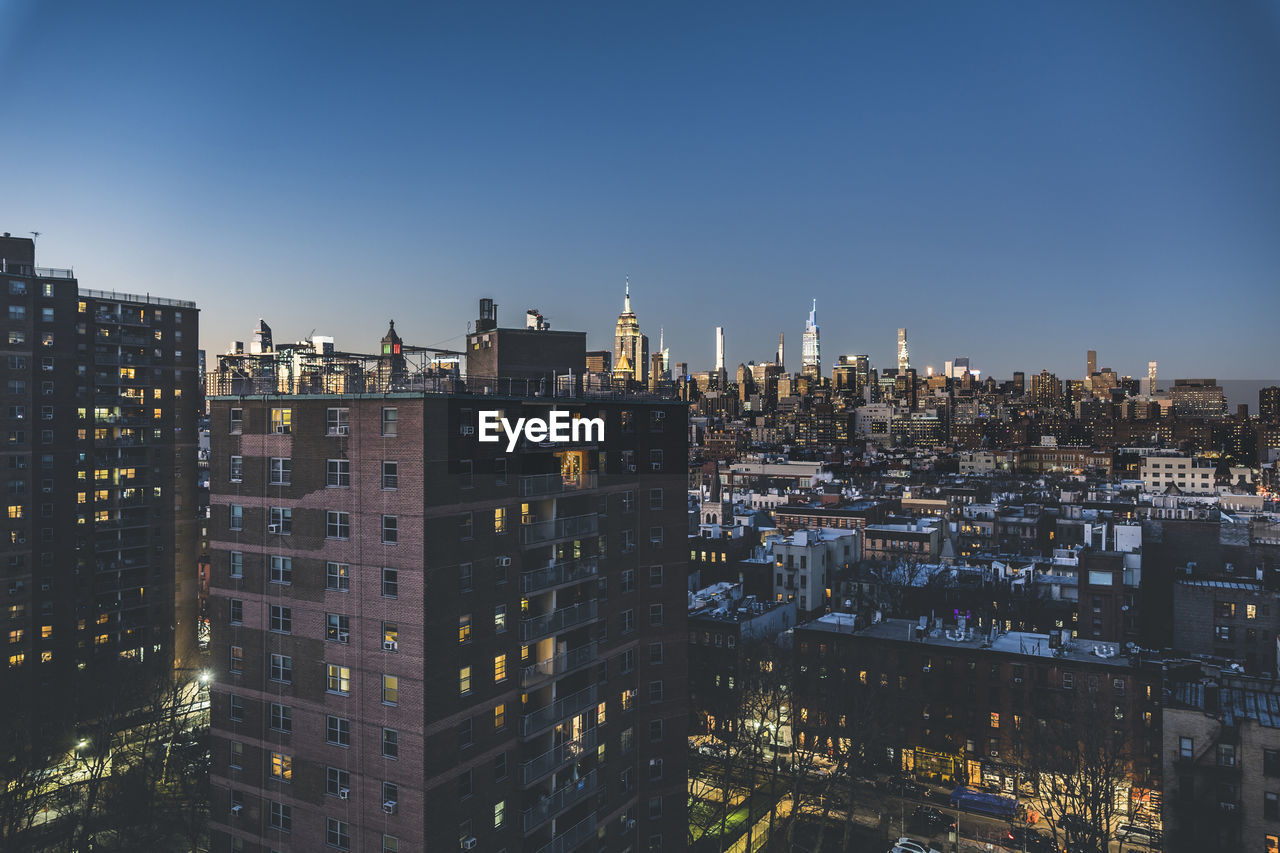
column 1114, row 185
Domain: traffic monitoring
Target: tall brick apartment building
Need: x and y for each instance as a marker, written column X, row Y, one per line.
column 99, row 551
column 426, row 642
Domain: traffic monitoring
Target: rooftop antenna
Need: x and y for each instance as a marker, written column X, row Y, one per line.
column 35, row 235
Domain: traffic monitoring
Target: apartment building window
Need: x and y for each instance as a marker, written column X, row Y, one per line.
column 281, row 520
column 237, row 469
column 500, row 721
column 390, row 743
column 1068, row 680
column 281, row 619
column 1271, row 805
column 236, row 759
column 236, row 515
column 237, row 611
column 655, row 691
column 464, row 680
column 237, row 659
column 337, row 627
column 1226, row 755
column 655, row 499
column 1186, row 747
column 281, row 767
column 337, row 576
column 337, row 421
column 235, row 711
column 655, row 769
column 337, row 731
column 337, row 525
column 466, row 786
column 499, row 814
column 390, row 583
column 236, row 564
column 655, row 460
column 628, row 621
column 282, row 420
column 1271, row 762
column 338, row 679
column 655, row 536
column 337, row 782
column 628, row 662
column 390, row 422
column 655, row 615
column 236, row 421
column 627, row 582
column 337, row 473
column 655, row 576
column 281, row 717
column 390, row 529
column 464, row 526
column 390, row 475
column 390, row 690
column 500, row 472
column 390, row 844
column 465, row 733
column 655, row 730
column 465, row 470
column 655, row 654
column 390, row 637
column 337, row 833
column 500, row 520
column 282, row 668
column 464, row 577
column 281, row 569
column 499, row 668
column 281, row 471
column 281, row 817
column 390, row 792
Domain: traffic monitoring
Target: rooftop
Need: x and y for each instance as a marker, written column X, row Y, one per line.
column 1235, row 702
column 1014, row 643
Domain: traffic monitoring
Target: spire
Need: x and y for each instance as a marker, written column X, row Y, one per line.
column 626, row 302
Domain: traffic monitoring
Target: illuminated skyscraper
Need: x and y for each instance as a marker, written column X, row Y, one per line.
column 630, row 348
column 904, row 358
column 810, row 350
column 1151, row 377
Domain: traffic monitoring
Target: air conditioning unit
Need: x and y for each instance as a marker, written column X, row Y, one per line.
column 237, row 808
column 468, row 843
column 344, row 636
column 631, row 468
column 1017, row 679
column 389, row 807
column 344, row 793
column 390, row 645
column 282, row 429
column 503, row 561
column 342, row 430
column 273, row 528
column 47, row 489
column 466, row 429
column 657, row 466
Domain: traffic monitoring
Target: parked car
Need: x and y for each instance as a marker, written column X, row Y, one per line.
column 1136, row 833
column 908, row 845
column 935, row 819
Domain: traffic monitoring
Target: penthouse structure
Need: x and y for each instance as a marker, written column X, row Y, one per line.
column 427, row 642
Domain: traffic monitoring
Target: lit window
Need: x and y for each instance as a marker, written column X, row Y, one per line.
column 464, row 680
column 390, row 690
column 282, row 767
column 499, row 668
column 338, row 679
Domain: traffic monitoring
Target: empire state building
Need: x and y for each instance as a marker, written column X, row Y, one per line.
column 630, row 348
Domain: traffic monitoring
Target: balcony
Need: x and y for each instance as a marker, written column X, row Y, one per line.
column 558, row 574
column 574, row 836
column 540, row 532
column 557, row 711
column 533, row 485
column 539, row 627
column 561, row 799
column 554, row 667
column 555, row 758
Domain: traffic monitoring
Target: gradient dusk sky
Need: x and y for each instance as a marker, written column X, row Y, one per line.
column 1013, row 181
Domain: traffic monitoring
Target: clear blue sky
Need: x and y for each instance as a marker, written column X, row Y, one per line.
column 1016, row 182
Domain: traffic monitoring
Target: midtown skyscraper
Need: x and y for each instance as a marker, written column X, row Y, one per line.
column 630, row 348
column 810, row 346
column 904, row 357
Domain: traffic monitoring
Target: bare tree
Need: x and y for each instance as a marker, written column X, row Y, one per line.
column 1077, row 761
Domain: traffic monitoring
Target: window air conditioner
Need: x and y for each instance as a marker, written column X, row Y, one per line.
column 273, row 528
column 657, row 466
column 504, row 561
column 344, row 793
column 342, row 430
column 344, row 636
column 237, row 808
column 389, row 807
column 631, row 468
column 631, row 824
column 281, row 429
column 469, row 843
column 390, row 645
